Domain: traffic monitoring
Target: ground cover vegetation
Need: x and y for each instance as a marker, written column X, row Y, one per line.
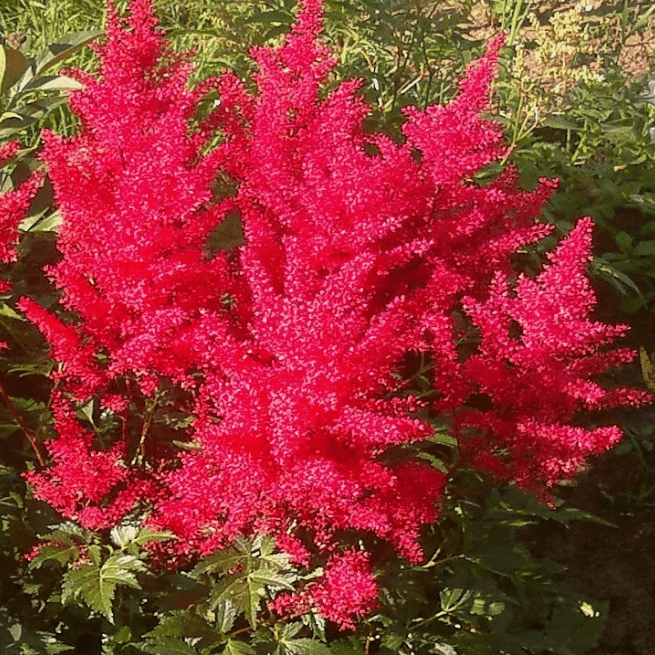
column 305, row 351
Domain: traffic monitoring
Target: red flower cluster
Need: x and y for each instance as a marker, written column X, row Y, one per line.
column 343, row 594
column 14, row 205
column 358, row 251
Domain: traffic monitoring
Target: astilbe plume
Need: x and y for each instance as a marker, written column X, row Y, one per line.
column 14, row 204
column 134, row 189
column 135, row 192
column 359, row 250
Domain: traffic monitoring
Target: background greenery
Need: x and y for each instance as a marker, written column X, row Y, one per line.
column 576, row 95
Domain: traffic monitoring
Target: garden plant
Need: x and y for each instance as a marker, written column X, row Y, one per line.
column 291, row 359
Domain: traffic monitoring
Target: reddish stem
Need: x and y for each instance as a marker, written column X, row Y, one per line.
column 31, row 437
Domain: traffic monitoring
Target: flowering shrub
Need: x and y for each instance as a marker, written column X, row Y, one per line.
column 291, row 351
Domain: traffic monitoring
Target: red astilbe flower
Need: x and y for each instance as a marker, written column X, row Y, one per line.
column 539, row 378
column 358, row 251
column 93, row 487
column 14, row 205
column 135, row 194
column 343, row 594
column 134, row 191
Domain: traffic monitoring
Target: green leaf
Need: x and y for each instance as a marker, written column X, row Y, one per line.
column 130, row 536
column 236, row 647
column 97, row 584
column 443, row 649
column 623, row 241
column 12, row 66
column 270, row 578
column 61, row 553
column 123, row 534
column 226, row 615
column 223, row 561
column 181, row 624
column 16, row 639
column 451, row 599
column 271, row 17
column 146, row 535
column 647, row 369
column 62, row 49
column 619, row 134
column 245, row 595
column 645, row 249
column 168, row 646
column 10, row 312
column 617, row 278
column 559, row 122
column 171, row 625
column 3, row 67
column 350, row 647
column 41, row 222
column 304, row 647
column 52, row 83
column 12, row 122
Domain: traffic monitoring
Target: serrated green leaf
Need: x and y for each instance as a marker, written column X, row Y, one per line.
column 130, row 537
column 146, row 535
column 270, row 579
column 96, row 584
column 221, row 562
column 246, row 596
column 171, row 625
column 290, row 630
column 236, row 647
column 451, row 599
column 86, row 581
column 226, row 615
column 123, row 534
column 122, row 636
column 305, row 647
column 61, row 553
column 183, row 624
column 63, row 531
column 168, row 646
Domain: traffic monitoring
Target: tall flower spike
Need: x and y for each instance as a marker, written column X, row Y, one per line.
column 134, row 190
column 539, row 380
column 14, row 205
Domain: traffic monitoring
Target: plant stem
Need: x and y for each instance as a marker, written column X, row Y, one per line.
column 31, row 437
column 140, row 455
